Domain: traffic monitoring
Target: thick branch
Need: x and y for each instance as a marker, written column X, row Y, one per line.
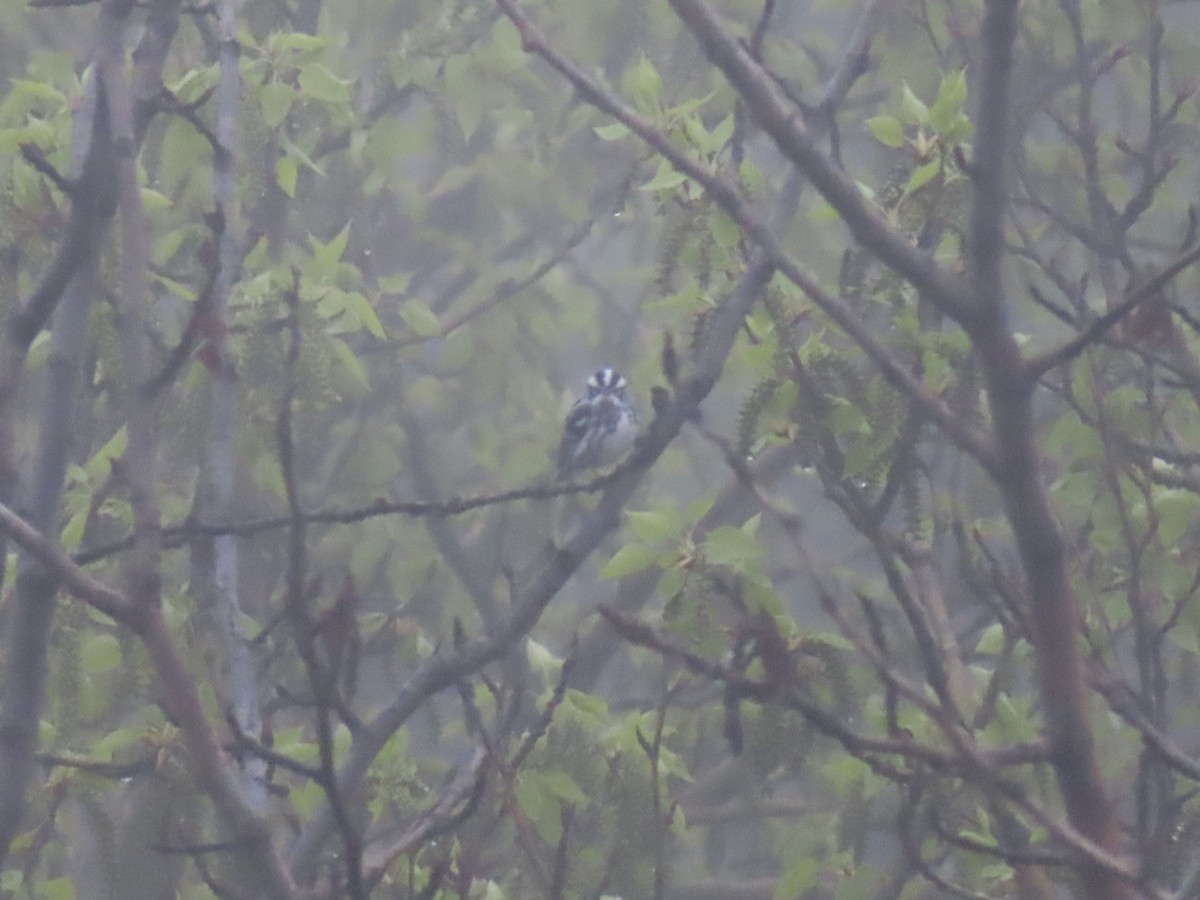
column 55, row 560
column 1053, row 607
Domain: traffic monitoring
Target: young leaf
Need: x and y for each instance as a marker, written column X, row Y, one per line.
column 887, row 130
column 612, row 132
column 952, row 96
column 730, row 546
column 286, row 171
column 275, row 100
column 664, row 181
column 627, row 560
column 922, row 175
column 418, row 316
column 912, row 110
column 361, row 307
column 644, row 84
column 318, row 83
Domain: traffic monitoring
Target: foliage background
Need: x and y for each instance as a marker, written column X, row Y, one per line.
column 895, row 597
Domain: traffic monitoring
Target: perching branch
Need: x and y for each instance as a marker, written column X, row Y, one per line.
column 544, row 578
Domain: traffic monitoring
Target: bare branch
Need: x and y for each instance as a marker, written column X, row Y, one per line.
column 95, row 593
column 1038, row 366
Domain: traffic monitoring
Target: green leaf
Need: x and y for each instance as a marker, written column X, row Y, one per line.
column 731, row 546
column 653, row 525
column 350, row 362
column 275, row 100
column 62, row 888
column 847, row 418
column 958, row 132
column 589, row 704
column 72, row 532
column 99, row 466
column 318, row 83
column 887, row 130
column 306, row 798
column 420, row 318
column 118, row 739
column 832, row 639
column 297, row 41
column 912, row 110
column 154, row 201
column 541, row 806
column 721, row 134
column 671, row 582
column 100, row 652
column 195, row 83
column 726, row 231
column 613, row 132
column 665, row 180
column 696, row 132
column 38, row 90
column 1176, row 510
column 294, row 149
column 361, row 307
column 508, row 40
column 644, row 85
column 797, row 879
column 992, row 640
column 395, row 284
column 182, row 291
column 751, row 178
column 750, row 526
column 922, row 175
column 325, row 256
column 286, row 171
column 331, row 305
column 627, row 560
column 951, row 98
column 470, row 91
column 678, row 821
column 843, row 770
column 564, row 787
column 541, row 660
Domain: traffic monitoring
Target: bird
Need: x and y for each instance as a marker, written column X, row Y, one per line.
column 601, row 426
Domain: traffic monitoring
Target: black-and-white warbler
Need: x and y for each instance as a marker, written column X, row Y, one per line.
column 600, row 427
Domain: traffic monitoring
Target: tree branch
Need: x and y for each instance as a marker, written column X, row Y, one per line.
column 544, row 578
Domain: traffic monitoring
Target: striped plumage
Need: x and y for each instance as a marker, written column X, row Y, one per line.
column 600, row 427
